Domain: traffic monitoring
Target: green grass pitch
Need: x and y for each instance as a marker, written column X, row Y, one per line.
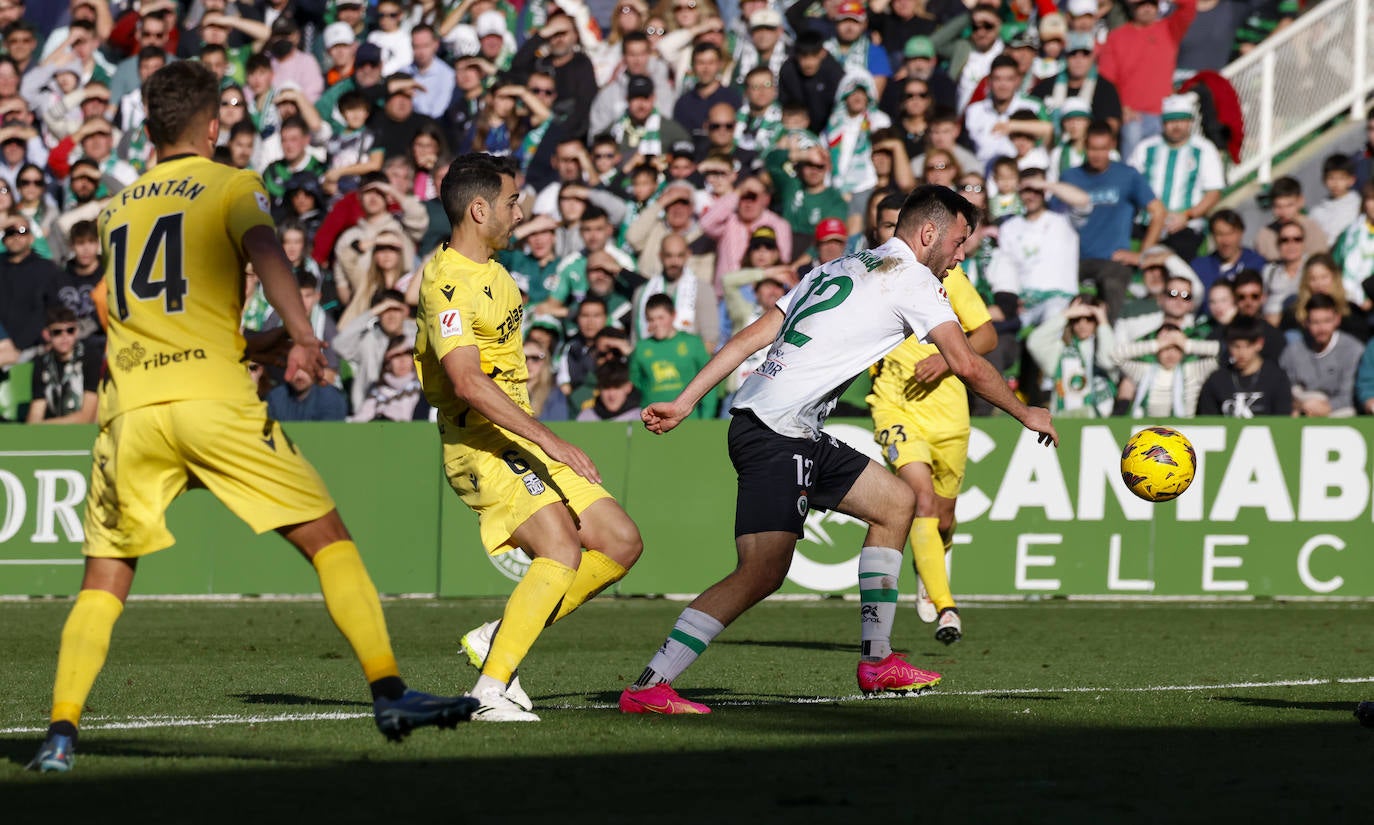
column 255, row 711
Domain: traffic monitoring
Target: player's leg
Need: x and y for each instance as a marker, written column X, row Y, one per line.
column 949, row 627
column 927, row 549
column 760, row 569
column 613, row 545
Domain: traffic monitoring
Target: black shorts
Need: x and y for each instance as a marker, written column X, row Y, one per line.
column 781, row 478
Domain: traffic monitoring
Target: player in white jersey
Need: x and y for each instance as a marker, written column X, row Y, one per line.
column 841, row 318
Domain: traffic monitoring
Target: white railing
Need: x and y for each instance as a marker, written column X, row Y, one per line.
column 1299, row 79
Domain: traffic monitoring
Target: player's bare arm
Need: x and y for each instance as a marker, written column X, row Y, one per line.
column 985, row 380
column 264, row 251
column 982, row 339
column 660, row 417
column 463, row 366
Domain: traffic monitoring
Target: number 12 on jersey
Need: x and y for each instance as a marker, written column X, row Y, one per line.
column 831, row 289
column 165, row 238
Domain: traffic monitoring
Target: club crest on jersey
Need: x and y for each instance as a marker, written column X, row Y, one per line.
column 263, row 203
column 450, row 323
column 533, row 483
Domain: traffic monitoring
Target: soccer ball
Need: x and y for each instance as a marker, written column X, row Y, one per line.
column 1158, row 463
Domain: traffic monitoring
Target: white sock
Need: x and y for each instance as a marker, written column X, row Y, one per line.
column 878, row 571
column 692, row 632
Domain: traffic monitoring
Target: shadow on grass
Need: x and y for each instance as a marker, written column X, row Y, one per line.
column 787, row 644
column 832, row 764
column 297, row 700
column 1347, row 708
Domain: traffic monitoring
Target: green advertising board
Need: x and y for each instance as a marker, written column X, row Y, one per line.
column 1279, row 508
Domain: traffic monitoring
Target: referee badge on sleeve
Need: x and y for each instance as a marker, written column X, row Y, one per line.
column 263, row 203
column 450, row 323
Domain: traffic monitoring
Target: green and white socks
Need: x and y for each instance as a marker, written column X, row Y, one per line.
column 692, row 632
column 878, row 571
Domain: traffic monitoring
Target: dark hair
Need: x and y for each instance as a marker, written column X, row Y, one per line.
column 353, row 99
column 1285, row 187
column 1317, row 301
column 211, row 48
column 425, row 27
column 1099, row 128
column 1244, row 328
column 634, row 37
column 85, row 163
column 701, row 48
column 809, row 43
column 613, row 373
column 642, row 169
column 1002, row 61
column 60, row 314
column 936, row 204
column 243, row 127
column 896, row 200
column 305, row 279
column 1023, row 114
column 84, row 231
column 21, row 25
column 387, row 295
column 759, row 70
column 151, row 53
column 1168, row 276
column 1337, row 163
column 593, row 299
column 177, row 95
column 472, row 176
column 659, row 301
column 1247, row 277
column 255, row 62
column 295, row 122
column 1230, row 217
column 944, row 114
column 1030, row 172
column 594, row 213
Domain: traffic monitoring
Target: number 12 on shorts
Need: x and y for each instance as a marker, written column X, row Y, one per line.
column 804, row 467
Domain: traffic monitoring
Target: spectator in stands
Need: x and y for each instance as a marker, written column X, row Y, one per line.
column 988, row 121
column 1322, row 365
column 667, row 358
column 366, row 78
column 1185, row 171
column 66, row 375
column 546, row 401
column 1364, row 378
column 1250, row 384
column 295, row 159
column 28, row 283
column 944, row 134
column 34, row 203
column 95, row 140
column 554, row 46
column 739, row 210
column 301, row 399
column 577, row 361
column 1162, row 376
column 1286, row 204
column 637, row 60
column 1250, row 301
column 397, row 395
column 79, row 276
column 397, row 122
column 854, row 48
column 388, row 259
column 353, row 151
column 617, row 398
column 434, row 77
column 1281, row 276
column 1074, row 350
column 1039, row 259
column 1228, row 255
column 532, row 257
column 1354, row 252
column 642, row 129
column 1177, row 304
column 698, row 315
column 509, row 114
column 764, row 48
column 352, row 250
column 572, row 272
column 970, row 60
column 919, row 63
column 1342, row 204
column 800, row 172
column 1119, row 194
column 392, row 36
column 672, row 213
column 694, row 104
column 364, row 340
column 1221, row 309
column 810, row 78
column 1321, row 276
column 1140, row 58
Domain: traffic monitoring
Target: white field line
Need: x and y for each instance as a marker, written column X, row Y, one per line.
column 151, row 722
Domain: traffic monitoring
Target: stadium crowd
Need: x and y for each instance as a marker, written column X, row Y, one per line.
column 683, row 165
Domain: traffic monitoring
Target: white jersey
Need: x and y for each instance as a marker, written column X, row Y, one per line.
column 1181, row 175
column 840, row 320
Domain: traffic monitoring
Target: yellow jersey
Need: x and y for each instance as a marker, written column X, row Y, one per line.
column 174, row 280
column 947, row 399
column 465, row 303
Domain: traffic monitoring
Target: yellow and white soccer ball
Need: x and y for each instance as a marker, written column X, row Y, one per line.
column 1158, row 463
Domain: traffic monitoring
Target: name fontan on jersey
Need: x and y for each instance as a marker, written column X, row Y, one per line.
column 183, row 188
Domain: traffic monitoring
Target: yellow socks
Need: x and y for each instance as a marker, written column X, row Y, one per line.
column 929, row 551
column 352, row 602
column 597, row 572
column 532, row 604
column 85, row 641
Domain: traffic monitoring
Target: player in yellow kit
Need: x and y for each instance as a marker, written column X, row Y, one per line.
column 177, row 407
column 529, row 488
column 921, row 419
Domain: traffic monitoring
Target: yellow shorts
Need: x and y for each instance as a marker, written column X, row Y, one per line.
column 505, row 479
column 146, row 457
column 906, row 439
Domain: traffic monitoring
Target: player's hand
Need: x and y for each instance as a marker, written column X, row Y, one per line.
column 1038, row 420
column 931, row 369
column 307, row 355
column 662, row 416
column 1175, row 222
column 570, row 455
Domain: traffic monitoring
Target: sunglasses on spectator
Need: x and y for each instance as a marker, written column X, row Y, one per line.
column 14, row 231
column 231, row 101
column 722, row 125
column 604, row 155
column 806, row 164
column 30, row 182
column 542, row 91
column 750, row 195
column 910, row 95
column 1248, row 296
column 985, row 25
column 389, row 14
column 1181, row 293
column 1290, row 239
column 67, row 330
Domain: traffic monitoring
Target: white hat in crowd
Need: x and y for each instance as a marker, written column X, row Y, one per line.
column 491, row 22
column 338, row 34
column 1078, row 8
column 1178, row 107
